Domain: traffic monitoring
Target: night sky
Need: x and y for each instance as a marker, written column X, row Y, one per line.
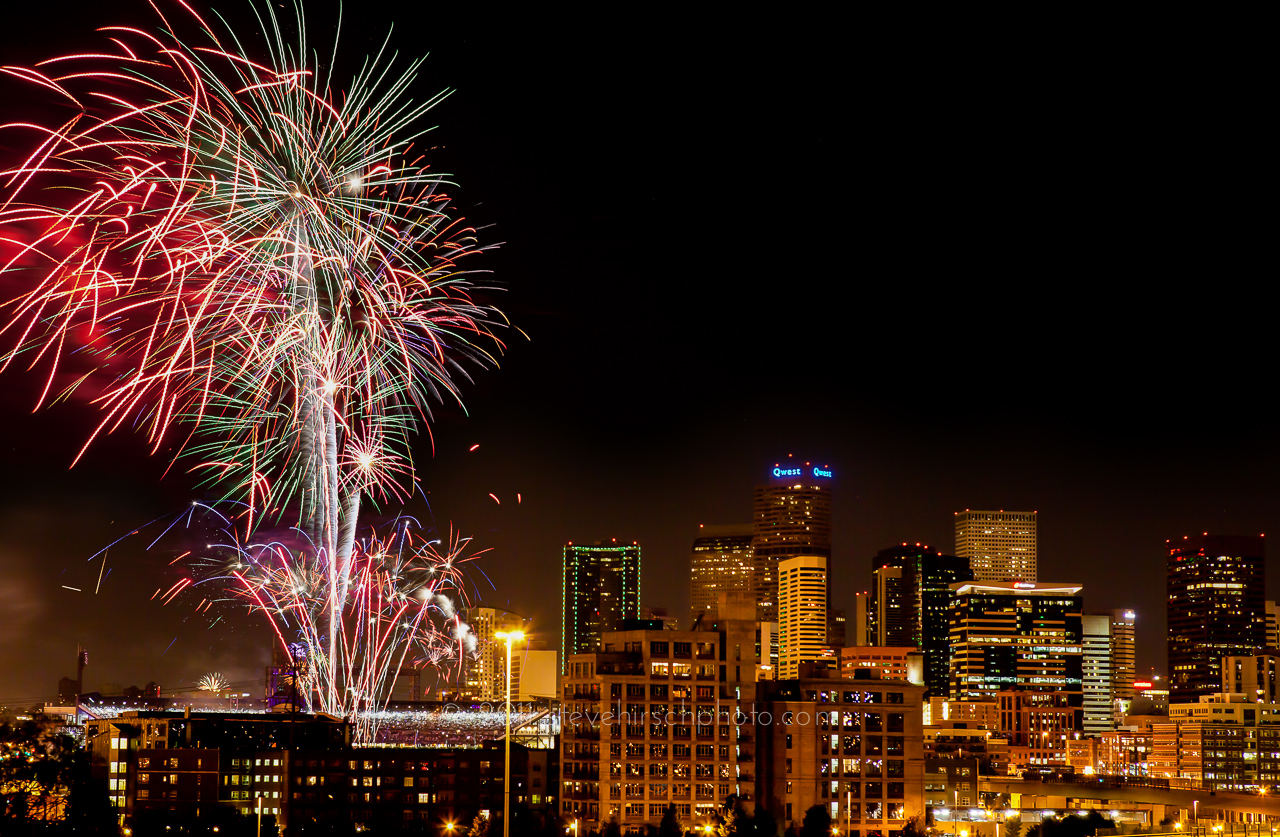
column 968, row 264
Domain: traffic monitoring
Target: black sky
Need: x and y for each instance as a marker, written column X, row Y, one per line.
column 969, row 263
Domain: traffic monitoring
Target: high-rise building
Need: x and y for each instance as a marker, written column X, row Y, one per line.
column 802, row 613
column 1015, row 636
column 911, row 606
column 1272, row 613
column 861, row 627
column 791, row 516
column 1216, row 603
column 721, row 562
column 1123, row 657
column 486, row 676
column 1097, row 673
column 999, row 545
column 601, row 587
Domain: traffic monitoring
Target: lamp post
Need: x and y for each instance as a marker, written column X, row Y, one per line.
column 509, row 637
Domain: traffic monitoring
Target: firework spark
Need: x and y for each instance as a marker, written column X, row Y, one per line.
column 212, row 682
column 263, row 275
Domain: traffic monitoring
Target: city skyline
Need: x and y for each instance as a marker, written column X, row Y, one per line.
column 604, row 424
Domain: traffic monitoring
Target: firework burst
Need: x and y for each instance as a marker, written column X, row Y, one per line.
column 261, row 274
column 212, row 682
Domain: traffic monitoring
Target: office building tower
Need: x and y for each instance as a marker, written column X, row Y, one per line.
column 790, row 516
column 836, row 625
column 1253, row 676
column 999, row 545
column 861, row 619
column 1096, row 673
column 1015, row 636
column 1272, row 614
column 911, row 606
column 1123, row 655
column 1216, row 603
column 486, row 675
column 721, row 562
column 802, row 613
column 767, row 650
column 601, row 587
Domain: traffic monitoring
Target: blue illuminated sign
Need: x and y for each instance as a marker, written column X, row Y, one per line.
column 819, row 473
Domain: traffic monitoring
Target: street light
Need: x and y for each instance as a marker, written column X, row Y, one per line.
column 509, row 637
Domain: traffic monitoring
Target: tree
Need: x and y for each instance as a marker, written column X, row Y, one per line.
column 670, row 825
column 817, row 822
column 38, row 768
column 913, row 827
column 479, row 826
column 611, row 828
column 1013, row 826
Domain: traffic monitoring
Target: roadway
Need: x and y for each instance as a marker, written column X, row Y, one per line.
column 1210, row 802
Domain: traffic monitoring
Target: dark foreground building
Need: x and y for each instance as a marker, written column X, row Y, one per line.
column 301, row 770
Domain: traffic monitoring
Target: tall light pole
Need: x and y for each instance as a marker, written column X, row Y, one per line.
column 509, row 637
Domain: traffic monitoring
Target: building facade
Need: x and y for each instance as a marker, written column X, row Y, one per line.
column 1015, row 636
column 1039, row 726
column 1123, row 654
column 1216, row 599
column 802, row 613
column 601, row 587
column 722, row 561
column 297, row 771
column 999, row 545
column 1096, row 672
column 880, row 662
column 653, row 720
column 856, row 748
column 486, row 673
column 790, row 516
column 1253, row 676
column 1223, row 741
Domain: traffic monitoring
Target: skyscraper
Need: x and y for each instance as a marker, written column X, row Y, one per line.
column 911, row 606
column 1015, row 636
column 1216, row 599
column 1097, row 673
column 802, row 613
column 999, row 545
column 486, row 676
column 1123, row 659
column 601, row 587
column 721, row 561
column 1272, row 614
column 790, row 516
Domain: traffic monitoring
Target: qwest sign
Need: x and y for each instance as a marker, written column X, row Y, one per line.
column 808, row 470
